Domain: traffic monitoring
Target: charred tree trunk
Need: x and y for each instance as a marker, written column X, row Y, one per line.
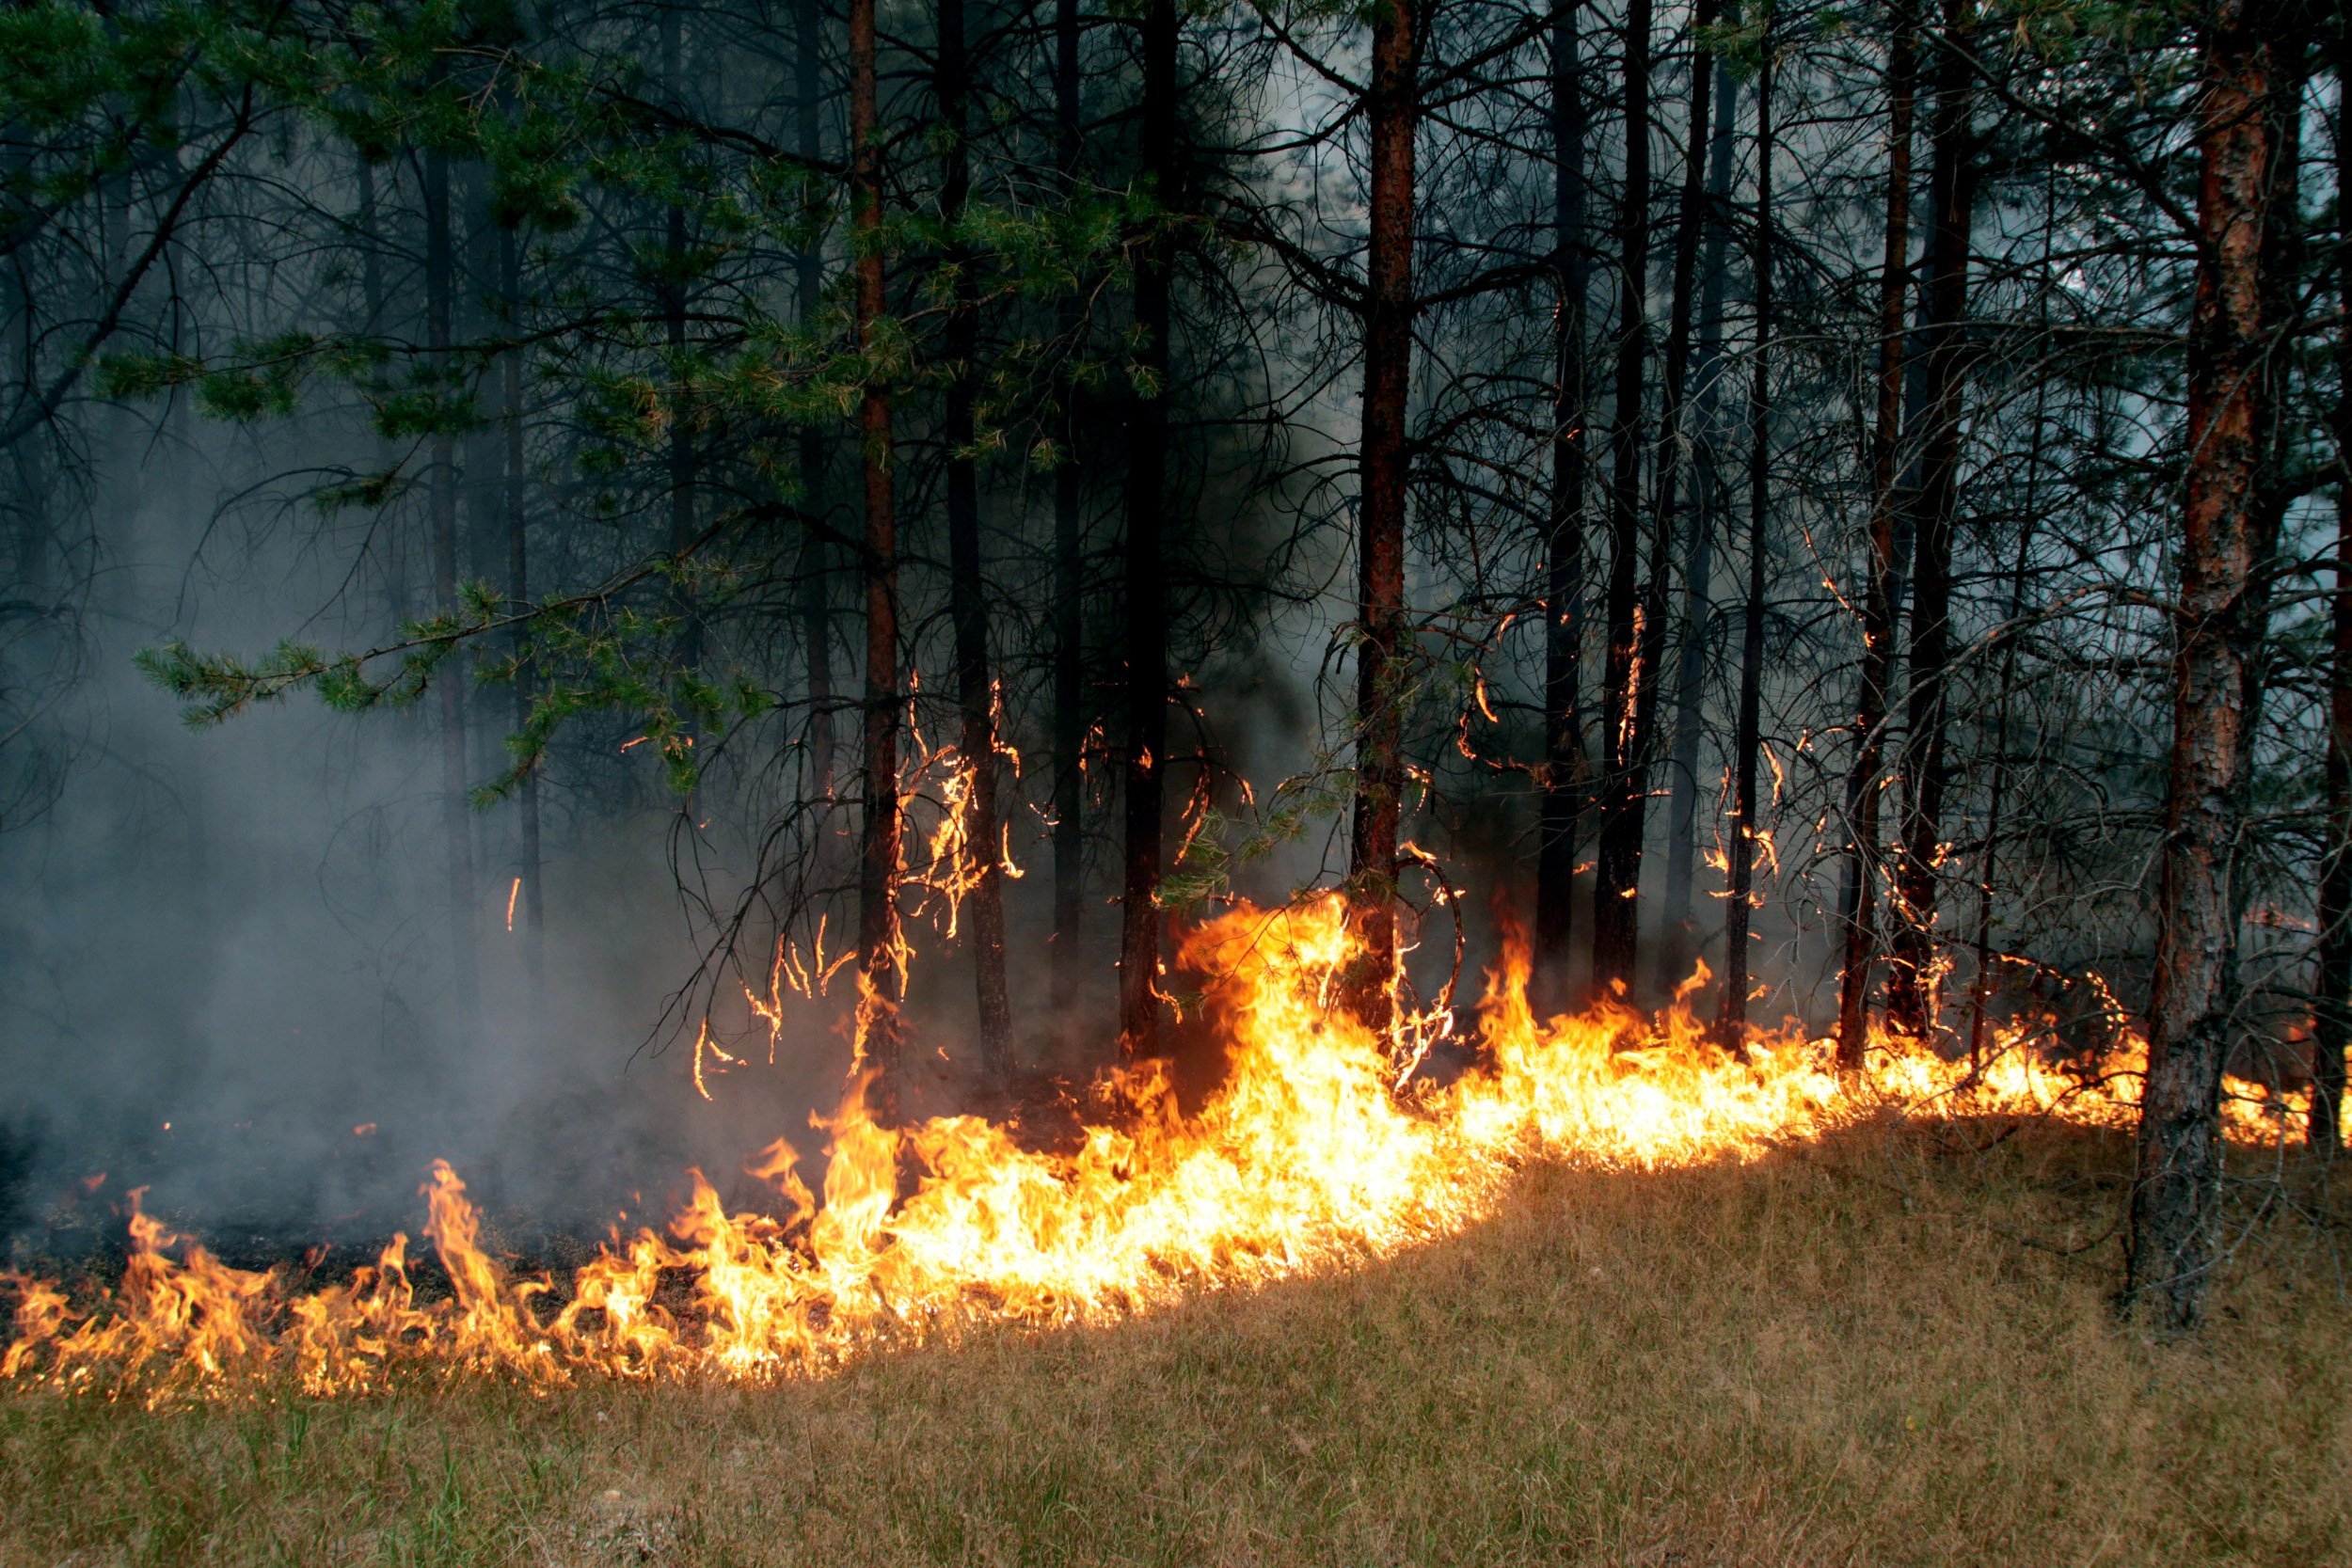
column 2246, row 120
column 1069, row 725
column 1564, row 545
column 2333, row 1018
column 1878, row 608
column 1731, row 1019
column 1681, row 946
column 1951, row 184
column 1690, row 220
column 1380, row 654
column 1147, row 601
column 808, row 283
column 1618, row 867
column 879, row 941
column 967, row 586
column 516, row 499
column 440, row 303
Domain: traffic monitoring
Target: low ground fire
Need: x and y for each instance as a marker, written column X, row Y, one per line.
column 1308, row 1156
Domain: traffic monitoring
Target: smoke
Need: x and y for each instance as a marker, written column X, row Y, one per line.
column 225, row 966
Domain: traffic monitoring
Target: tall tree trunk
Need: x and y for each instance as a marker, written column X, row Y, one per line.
column 1564, row 544
column 440, row 303
column 1391, row 103
column 517, row 497
column 967, row 586
column 1951, row 185
column 1878, row 608
column 1679, row 946
column 2331, row 1034
column 1988, row 867
column 1618, row 867
column 1981, row 982
column 879, row 941
column 808, row 282
column 373, row 295
column 1147, row 592
column 1731, row 1019
column 683, row 456
column 2247, row 116
column 1070, row 724
column 1689, row 220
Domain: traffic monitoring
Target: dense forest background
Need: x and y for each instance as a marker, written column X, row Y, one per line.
column 1849, row 495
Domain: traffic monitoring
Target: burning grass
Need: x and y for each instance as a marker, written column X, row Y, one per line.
column 1854, row 1351
column 1612, row 1295
column 1314, row 1154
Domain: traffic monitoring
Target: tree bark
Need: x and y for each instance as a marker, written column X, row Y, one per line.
column 440, row 303
column 879, row 941
column 967, row 586
column 1070, row 724
column 1911, row 1001
column 1879, row 609
column 1617, row 866
column 808, row 267
column 2246, row 120
column 1146, row 602
column 1563, row 545
column 1981, row 982
column 1689, row 220
column 517, row 497
column 1731, row 1017
column 684, row 459
column 1679, row 946
column 2331, row 1034
column 1392, row 102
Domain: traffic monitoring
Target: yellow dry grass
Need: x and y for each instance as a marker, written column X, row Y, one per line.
column 1846, row 1355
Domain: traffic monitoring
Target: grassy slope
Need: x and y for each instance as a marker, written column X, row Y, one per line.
column 1844, row 1357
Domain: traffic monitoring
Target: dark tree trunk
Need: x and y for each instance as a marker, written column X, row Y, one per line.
column 1988, row 867
column 1618, row 867
column 2247, row 114
column 1858, row 896
column 1147, row 592
column 1731, row 1019
column 2333, row 1018
column 684, row 458
column 1680, row 945
column 371, row 293
column 1381, row 656
column 517, row 497
column 879, row 950
column 1981, row 982
column 1563, row 545
column 440, row 303
column 1070, row 724
column 808, row 284
column 1689, row 220
column 1951, row 186
column 967, row 585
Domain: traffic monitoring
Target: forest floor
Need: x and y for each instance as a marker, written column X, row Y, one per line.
column 1891, row 1349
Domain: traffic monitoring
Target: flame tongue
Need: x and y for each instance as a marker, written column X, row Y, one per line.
column 1304, row 1158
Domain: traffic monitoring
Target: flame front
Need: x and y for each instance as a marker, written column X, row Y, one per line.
column 1305, row 1159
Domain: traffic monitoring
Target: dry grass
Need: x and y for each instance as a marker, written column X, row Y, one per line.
column 1845, row 1357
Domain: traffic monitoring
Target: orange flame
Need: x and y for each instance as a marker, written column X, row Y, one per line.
column 1309, row 1156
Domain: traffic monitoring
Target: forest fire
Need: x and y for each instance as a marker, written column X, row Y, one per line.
column 1305, row 1159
